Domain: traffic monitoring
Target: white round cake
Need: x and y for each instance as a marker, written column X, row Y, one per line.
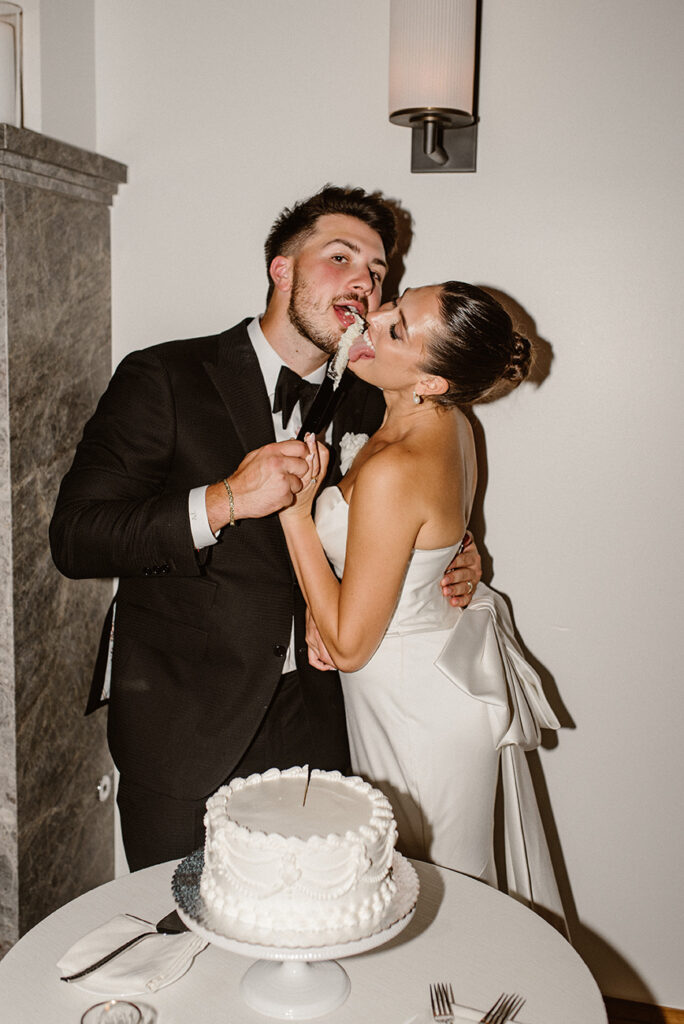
column 288, row 853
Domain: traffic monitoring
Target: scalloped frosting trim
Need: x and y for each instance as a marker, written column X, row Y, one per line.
column 293, row 915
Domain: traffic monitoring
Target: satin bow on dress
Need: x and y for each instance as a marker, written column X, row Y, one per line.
column 483, row 658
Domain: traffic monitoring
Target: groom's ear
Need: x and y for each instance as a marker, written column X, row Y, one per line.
column 281, row 273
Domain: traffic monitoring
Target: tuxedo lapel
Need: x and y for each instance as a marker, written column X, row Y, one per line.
column 360, row 411
column 237, row 378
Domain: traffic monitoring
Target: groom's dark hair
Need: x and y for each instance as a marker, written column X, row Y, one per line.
column 295, row 224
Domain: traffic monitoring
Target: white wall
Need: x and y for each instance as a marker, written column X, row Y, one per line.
column 59, row 69
column 67, row 68
column 226, row 110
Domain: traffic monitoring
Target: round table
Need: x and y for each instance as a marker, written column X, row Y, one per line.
column 463, row 932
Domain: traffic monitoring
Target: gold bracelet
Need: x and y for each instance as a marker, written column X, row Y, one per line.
column 232, row 502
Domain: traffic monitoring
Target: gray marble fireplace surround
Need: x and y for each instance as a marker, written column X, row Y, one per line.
column 56, row 836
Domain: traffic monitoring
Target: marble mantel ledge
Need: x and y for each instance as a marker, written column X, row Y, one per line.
column 35, row 160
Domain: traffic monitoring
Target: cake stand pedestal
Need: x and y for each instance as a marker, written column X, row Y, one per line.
column 295, row 989
column 293, row 982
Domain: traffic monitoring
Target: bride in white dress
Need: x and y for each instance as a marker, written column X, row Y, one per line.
column 390, row 529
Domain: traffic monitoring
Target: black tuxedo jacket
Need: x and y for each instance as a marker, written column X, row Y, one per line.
column 200, row 637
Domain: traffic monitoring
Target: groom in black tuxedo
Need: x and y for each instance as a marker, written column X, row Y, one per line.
column 175, row 488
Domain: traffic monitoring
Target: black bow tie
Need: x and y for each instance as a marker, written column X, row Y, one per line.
column 290, row 389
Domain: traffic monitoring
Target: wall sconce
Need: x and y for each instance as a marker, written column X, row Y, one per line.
column 433, row 80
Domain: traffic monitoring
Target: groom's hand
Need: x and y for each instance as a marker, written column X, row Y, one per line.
column 264, row 482
column 463, row 574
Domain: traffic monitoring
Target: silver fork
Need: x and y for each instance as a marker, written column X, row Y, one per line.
column 442, row 1001
column 504, row 1009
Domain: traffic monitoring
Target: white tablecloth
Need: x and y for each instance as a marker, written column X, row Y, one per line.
column 464, row 932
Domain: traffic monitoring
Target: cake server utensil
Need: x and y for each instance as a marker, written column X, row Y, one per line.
column 169, row 925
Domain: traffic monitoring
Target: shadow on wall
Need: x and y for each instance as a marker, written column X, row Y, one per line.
column 397, row 266
column 542, row 358
column 613, row 974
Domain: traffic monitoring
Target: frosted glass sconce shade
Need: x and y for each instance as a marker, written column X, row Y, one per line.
column 433, row 53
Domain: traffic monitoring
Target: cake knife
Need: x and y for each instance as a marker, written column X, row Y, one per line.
column 322, row 409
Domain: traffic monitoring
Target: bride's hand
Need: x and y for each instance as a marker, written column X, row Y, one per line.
column 318, row 653
column 317, row 460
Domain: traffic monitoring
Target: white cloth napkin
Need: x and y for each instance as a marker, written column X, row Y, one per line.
column 154, row 962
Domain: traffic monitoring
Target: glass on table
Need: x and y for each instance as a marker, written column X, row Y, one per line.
column 114, row 1011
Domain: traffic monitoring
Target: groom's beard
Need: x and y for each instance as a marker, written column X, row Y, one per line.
column 309, row 318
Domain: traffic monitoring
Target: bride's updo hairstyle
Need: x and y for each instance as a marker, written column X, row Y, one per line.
column 476, row 348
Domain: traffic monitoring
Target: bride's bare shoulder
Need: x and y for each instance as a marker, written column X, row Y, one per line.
column 430, row 454
column 391, row 468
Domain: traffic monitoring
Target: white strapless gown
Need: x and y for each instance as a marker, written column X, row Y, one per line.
column 425, row 742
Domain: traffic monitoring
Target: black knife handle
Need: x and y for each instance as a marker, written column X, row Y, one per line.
column 322, row 408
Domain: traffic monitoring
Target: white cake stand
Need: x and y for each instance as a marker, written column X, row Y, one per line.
column 293, row 982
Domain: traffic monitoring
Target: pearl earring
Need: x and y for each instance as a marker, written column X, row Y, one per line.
column 417, row 399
